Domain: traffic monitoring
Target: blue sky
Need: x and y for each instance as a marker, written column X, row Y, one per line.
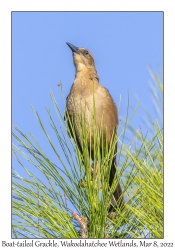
column 123, row 44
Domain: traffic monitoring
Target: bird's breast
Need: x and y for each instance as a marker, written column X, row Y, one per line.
column 92, row 104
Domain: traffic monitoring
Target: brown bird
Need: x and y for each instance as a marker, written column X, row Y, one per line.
column 84, row 91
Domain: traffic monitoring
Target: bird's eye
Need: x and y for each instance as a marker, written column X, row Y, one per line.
column 86, row 52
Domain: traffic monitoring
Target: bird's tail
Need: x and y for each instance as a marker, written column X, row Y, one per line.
column 118, row 191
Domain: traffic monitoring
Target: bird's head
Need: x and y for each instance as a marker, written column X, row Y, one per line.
column 82, row 57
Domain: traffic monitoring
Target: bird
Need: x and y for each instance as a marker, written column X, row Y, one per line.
column 86, row 89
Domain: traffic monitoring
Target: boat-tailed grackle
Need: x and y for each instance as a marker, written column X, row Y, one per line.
column 84, row 90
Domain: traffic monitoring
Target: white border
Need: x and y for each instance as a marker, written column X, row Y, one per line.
column 5, row 91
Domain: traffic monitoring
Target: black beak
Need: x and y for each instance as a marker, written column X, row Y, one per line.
column 73, row 48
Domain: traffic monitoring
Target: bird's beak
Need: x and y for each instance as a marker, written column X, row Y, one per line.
column 73, row 48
